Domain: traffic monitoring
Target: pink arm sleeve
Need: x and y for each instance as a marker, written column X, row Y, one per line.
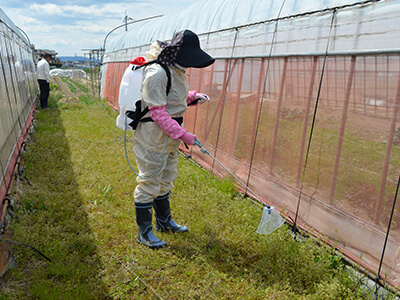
column 191, row 96
column 166, row 123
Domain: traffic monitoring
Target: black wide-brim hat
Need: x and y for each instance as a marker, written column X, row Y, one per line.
column 190, row 55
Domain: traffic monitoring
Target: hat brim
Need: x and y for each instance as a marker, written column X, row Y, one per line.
column 193, row 58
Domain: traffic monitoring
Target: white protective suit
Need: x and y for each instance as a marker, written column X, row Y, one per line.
column 149, row 138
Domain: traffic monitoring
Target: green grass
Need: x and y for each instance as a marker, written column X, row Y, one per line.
column 80, row 213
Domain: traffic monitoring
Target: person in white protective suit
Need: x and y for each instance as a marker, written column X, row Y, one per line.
column 166, row 112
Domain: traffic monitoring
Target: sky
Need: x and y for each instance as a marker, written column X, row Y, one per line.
column 68, row 26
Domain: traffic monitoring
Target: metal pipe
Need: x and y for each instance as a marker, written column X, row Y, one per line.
column 226, row 84
column 256, row 112
column 236, row 113
column 342, row 128
column 209, row 93
column 125, row 24
column 306, row 118
column 376, row 85
column 386, row 163
column 225, row 91
column 394, row 51
column 279, row 18
column 365, row 84
column 227, row 76
column 278, row 113
column 336, row 89
column 27, row 37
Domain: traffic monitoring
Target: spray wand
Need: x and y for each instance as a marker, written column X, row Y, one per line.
column 197, row 143
column 271, row 219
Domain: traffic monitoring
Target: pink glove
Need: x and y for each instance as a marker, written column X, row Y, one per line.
column 188, row 138
column 202, row 98
column 196, row 98
column 191, row 97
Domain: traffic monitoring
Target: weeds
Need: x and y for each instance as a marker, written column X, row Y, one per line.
column 87, row 99
column 54, row 86
column 396, row 138
column 54, row 97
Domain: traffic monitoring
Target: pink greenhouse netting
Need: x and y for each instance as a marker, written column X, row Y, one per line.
column 353, row 164
column 354, row 159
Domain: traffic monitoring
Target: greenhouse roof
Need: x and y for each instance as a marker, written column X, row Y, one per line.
column 10, row 24
column 358, row 25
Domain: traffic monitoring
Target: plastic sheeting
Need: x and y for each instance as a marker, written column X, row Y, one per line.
column 68, row 73
column 270, row 71
column 303, row 28
column 18, row 90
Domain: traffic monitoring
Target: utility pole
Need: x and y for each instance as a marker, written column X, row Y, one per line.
column 126, row 19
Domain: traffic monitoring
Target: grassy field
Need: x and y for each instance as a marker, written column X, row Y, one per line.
column 80, row 213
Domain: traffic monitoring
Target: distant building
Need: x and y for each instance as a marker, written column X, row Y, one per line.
column 73, row 64
column 54, row 61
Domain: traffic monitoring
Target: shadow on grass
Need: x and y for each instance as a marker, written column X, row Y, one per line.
column 51, row 218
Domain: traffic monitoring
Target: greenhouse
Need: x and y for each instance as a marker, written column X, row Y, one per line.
column 304, row 109
column 18, row 91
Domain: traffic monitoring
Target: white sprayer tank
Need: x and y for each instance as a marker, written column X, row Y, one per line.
column 129, row 91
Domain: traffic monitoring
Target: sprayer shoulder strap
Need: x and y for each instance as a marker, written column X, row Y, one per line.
column 167, row 71
column 146, row 110
column 138, row 116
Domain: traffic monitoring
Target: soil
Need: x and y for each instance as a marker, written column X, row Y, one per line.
column 71, row 96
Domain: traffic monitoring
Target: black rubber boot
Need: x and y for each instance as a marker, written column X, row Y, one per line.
column 143, row 219
column 163, row 216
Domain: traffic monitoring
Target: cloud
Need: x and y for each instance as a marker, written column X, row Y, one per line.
column 67, row 26
column 48, row 9
column 109, row 10
column 93, row 28
column 30, row 21
column 27, row 22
